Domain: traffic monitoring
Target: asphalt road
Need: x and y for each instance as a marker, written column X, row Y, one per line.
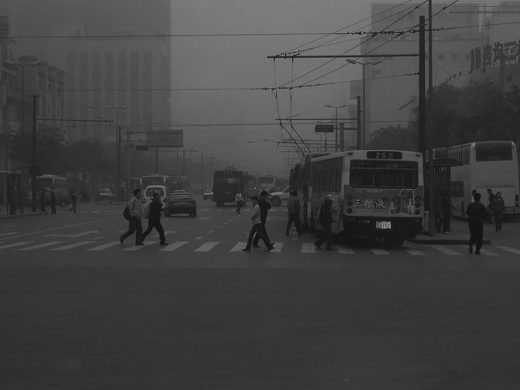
column 361, row 317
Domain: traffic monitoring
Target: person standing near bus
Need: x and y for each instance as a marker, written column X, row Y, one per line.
column 154, row 219
column 326, row 222
column 477, row 214
column 53, row 202
column 491, row 197
column 257, row 229
column 265, row 206
column 136, row 208
column 498, row 208
column 239, row 200
column 446, row 207
column 293, row 208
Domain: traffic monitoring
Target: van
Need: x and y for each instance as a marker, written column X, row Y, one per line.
column 161, row 190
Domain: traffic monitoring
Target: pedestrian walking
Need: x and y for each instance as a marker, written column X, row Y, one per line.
column 477, row 214
column 325, row 218
column 239, row 201
column 42, row 200
column 498, row 209
column 265, row 206
column 446, row 207
column 256, row 228
column 73, row 201
column 491, row 197
column 293, row 208
column 136, row 208
column 154, row 218
column 53, row 202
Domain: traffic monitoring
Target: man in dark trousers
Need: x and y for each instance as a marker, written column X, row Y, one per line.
column 326, row 222
column 477, row 214
column 265, row 206
column 293, row 208
column 136, row 208
column 53, row 202
column 154, row 218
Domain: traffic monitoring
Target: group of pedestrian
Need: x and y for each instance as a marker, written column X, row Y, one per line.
column 137, row 211
column 259, row 211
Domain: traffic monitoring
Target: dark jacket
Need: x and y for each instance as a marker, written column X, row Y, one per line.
column 326, row 212
column 155, row 210
column 264, row 205
column 476, row 212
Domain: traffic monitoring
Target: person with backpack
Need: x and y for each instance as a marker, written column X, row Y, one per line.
column 136, row 214
column 154, row 218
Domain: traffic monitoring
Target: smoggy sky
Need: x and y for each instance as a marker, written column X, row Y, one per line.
column 212, row 74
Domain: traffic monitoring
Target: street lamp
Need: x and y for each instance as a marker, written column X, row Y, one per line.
column 118, row 146
column 364, row 64
column 336, row 122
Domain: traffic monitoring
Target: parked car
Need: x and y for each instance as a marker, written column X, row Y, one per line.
column 207, row 195
column 278, row 197
column 161, row 190
column 180, row 203
column 106, row 195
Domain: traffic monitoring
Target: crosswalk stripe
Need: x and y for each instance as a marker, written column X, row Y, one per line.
column 508, row 249
column 239, row 246
column 488, row 252
column 414, row 252
column 50, row 243
column 71, row 246
column 137, row 247
column 207, row 246
column 8, row 234
column 379, row 252
column 446, row 251
column 308, row 247
column 104, row 246
column 173, row 246
column 14, row 245
column 278, row 247
column 345, row 251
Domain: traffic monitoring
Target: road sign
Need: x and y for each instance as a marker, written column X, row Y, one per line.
column 165, row 139
column 321, row 128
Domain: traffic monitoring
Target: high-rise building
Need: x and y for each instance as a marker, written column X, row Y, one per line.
column 391, row 82
column 114, row 53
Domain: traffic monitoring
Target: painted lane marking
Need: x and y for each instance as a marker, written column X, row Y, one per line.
column 71, row 246
column 207, row 246
column 379, row 252
column 239, row 246
column 508, row 249
column 3, row 235
column 173, row 246
column 15, row 245
column 345, row 251
column 104, row 246
column 308, row 247
column 446, row 251
column 72, row 235
column 135, row 248
column 51, row 243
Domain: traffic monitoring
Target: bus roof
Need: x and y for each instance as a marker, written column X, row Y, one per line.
column 408, row 154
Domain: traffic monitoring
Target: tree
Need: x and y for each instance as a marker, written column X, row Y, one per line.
column 399, row 137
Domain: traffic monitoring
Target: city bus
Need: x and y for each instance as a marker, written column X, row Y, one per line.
column 60, row 186
column 485, row 164
column 227, row 183
column 376, row 193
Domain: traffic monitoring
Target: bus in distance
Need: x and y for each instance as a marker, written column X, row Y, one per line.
column 227, row 183
column 485, row 165
column 376, row 193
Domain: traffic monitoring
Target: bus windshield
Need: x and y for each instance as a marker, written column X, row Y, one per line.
column 493, row 151
column 383, row 174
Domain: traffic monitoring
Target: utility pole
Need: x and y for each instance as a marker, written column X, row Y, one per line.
column 359, row 136
column 336, row 129
column 33, row 168
column 430, row 137
column 118, row 147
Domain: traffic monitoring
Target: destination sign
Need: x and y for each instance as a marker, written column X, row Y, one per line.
column 384, row 155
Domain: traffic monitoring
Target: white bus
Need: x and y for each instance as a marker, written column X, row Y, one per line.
column 375, row 193
column 485, row 164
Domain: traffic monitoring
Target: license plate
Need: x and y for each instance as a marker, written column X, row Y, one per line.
column 384, row 225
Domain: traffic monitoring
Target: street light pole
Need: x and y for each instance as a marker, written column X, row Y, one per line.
column 33, row 168
column 118, row 147
column 336, row 120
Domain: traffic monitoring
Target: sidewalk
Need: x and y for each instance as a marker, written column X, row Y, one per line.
column 460, row 234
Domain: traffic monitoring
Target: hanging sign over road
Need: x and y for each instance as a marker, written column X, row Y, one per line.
column 324, row 128
column 165, row 139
